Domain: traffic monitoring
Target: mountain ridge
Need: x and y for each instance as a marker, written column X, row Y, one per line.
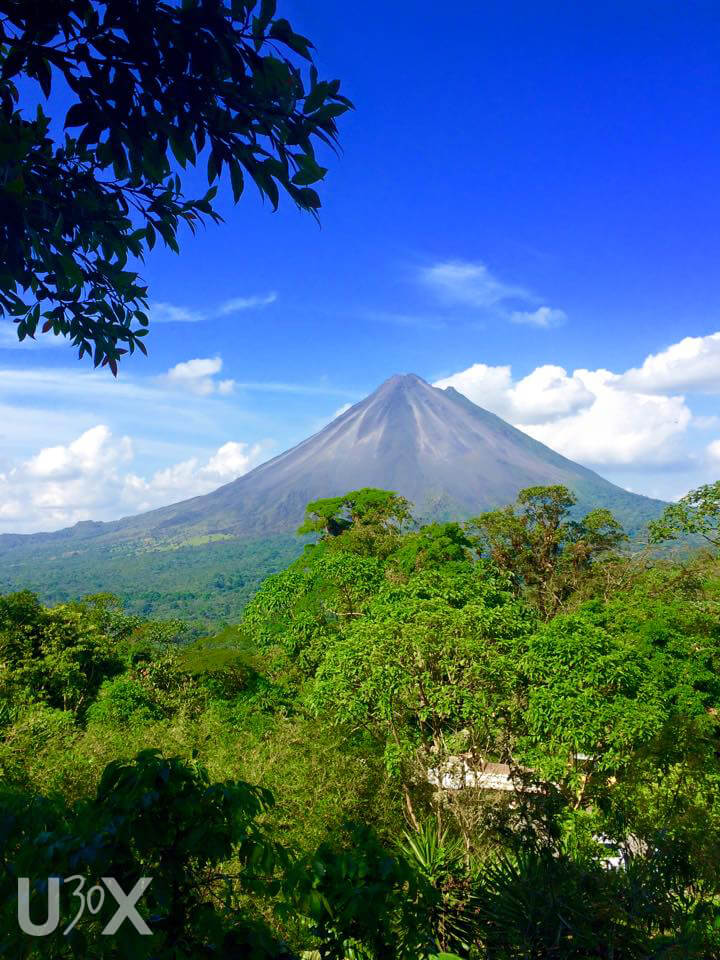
column 430, row 445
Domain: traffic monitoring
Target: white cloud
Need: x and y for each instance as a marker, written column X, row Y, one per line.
column 713, row 451
column 236, row 304
column 169, row 423
column 545, row 394
column 192, row 369
column 89, row 478
column 542, row 317
column 231, row 460
column 60, row 485
column 38, row 405
column 341, row 410
column 459, row 281
column 473, row 285
column 197, row 376
column 619, row 427
column 161, row 312
column 191, row 478
column 692, row 364
column 549, row 393
column 171, row 313
column 90, row 453
column 487, row 386
column 589, row 416
column 705, row 422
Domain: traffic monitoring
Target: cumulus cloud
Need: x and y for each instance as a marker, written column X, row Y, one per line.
column 62, row 484
column 191, row 477
column 619, row 427
column 169, row 423
column 545, row 394
column 90, row 478
column 161, row 312
column 542, row 317
column 197, row 376
column 589, row 415
column 91, row 452
column 713, row 451
column 692, row 364
column 485, row 385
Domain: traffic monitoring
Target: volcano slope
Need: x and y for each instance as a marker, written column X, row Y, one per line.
column 448, row 456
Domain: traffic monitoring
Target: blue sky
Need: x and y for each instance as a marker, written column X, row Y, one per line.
column 526, row 206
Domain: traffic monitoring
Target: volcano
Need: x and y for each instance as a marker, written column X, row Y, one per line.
column 449, row 457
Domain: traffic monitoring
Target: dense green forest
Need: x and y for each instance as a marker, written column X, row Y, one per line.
column 489, row 740
column 205, row 584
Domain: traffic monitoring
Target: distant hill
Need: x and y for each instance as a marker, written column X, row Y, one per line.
column 448, row 456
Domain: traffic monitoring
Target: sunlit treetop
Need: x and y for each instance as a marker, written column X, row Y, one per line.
column 370, row 506
column 695, row 514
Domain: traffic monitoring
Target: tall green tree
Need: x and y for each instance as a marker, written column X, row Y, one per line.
column 368, row 521
column 547, row 551
column 429, row 671
column 697, row 513
column 57, row 656
column 156, row 87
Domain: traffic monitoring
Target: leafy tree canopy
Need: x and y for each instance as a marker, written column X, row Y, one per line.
column 162, row 818
column 156, row 87
column 546, row 550
column 428, row 669
column 59, row 656
column 435, row 544
column 388, row 675
column 369, row 514
column 696, row 513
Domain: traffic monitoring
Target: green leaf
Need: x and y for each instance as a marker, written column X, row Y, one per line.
column 267, row 12
column 330, row 111
column 77, row 116
column 316, row 97
column 12, row 63
column 236, row 179
column 16, row 186
column 142, row 125
column 44, row 76
column 310, row 171
column 178, row 147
